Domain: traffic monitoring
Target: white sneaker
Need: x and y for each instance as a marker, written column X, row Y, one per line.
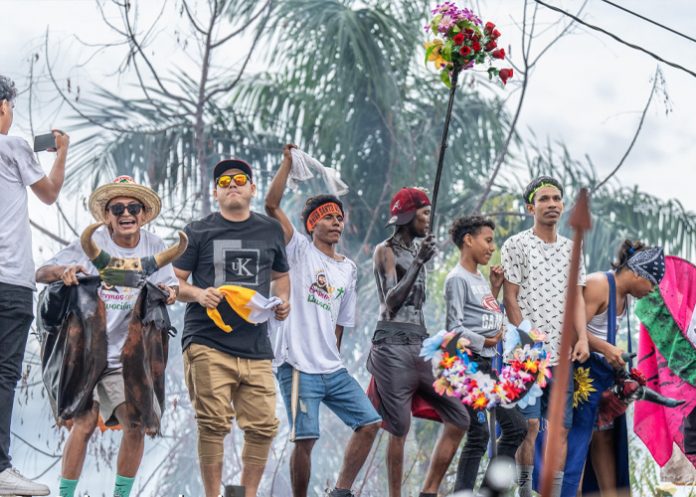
column 13, row 483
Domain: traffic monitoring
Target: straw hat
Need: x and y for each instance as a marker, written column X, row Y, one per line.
column 124, row 186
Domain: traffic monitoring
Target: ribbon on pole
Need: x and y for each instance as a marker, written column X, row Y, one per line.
column 580, row 222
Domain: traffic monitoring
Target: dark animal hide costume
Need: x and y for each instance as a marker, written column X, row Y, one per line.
column 72, row 322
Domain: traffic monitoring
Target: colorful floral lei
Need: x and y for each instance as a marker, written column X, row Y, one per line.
column 520, row 381
column 461, row 43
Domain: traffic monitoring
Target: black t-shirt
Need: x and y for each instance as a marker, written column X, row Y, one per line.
column 222, row 252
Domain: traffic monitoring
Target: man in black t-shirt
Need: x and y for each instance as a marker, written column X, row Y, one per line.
column 229, row 375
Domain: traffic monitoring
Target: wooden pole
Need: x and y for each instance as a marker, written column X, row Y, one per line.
column 443, row 146
column 580, row 222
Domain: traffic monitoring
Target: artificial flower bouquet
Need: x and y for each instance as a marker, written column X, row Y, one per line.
column 461, row 42
column 520, row 381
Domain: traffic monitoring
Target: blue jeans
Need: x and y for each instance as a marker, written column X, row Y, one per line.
column 16, row 315
column 338, row 391
column 538, row 410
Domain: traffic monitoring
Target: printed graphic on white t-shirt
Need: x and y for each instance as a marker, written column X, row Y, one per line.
column 322, row 295
column 118, row 300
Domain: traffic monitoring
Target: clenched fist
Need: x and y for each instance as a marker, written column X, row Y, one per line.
column 209, row 297
column 69, row 275
column 282, row 311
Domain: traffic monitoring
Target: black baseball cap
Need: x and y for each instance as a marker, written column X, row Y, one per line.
column 226, row 164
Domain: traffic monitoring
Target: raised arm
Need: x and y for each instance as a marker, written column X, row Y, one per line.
column 48, row 187
column 497, row 278
column 275, row 193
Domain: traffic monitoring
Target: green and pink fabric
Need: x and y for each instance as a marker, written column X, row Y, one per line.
column 667, row 357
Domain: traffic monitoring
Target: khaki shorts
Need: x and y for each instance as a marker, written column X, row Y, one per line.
column 110, row 392
column 223, row 387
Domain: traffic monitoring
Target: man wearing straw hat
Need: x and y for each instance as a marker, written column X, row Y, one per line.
column 124, row 207
column 229, row 373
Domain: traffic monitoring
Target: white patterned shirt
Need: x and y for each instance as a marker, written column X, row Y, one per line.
column 541, row 271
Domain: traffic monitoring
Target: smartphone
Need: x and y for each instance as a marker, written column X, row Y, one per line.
column 234, row 491
column 44, row 142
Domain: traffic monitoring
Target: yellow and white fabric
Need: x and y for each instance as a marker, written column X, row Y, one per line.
column 247, row 303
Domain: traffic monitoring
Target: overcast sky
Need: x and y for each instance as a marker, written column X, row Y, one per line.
column 587, row 91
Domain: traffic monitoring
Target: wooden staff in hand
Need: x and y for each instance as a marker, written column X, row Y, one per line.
column 580, row 222
column 443, row 146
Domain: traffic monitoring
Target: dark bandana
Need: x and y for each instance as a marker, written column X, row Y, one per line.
column 648, row 264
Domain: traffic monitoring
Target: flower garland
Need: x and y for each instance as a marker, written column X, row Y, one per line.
column 520, row 381
column 461, row 43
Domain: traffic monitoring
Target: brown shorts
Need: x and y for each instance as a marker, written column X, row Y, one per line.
column 400, row 374
column 223, row 387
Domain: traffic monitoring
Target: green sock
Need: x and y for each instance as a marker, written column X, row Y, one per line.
column 67, row 488
column 123, row 486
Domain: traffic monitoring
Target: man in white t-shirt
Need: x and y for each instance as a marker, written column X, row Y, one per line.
column 536, row 263
column 124, row 207
column 19, row 169
column 310, row 368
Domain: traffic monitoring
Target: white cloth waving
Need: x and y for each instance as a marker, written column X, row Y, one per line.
column 304, row 167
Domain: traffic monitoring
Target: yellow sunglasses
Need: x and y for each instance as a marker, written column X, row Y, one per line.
column 226, row 180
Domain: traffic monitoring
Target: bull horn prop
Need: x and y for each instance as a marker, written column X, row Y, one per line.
column 104, row 263
column 172, row 253
column 647, row 393
column 99, row 258
column 154, row 262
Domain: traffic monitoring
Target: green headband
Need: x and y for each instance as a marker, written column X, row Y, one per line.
column 541, row 185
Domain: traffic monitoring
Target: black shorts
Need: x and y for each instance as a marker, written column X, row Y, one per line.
column 400, row 374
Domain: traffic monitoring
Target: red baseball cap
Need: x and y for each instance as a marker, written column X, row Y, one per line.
column 405, row 203
column 227, row 164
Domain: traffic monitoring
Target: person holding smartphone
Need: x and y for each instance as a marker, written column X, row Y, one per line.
column 19, row 169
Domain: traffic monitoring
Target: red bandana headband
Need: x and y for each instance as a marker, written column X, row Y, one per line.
column 320, row 212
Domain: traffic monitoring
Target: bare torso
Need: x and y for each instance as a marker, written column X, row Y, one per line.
column 401, row 303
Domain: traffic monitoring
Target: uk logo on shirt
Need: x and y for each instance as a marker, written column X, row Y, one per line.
column 235, row 264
